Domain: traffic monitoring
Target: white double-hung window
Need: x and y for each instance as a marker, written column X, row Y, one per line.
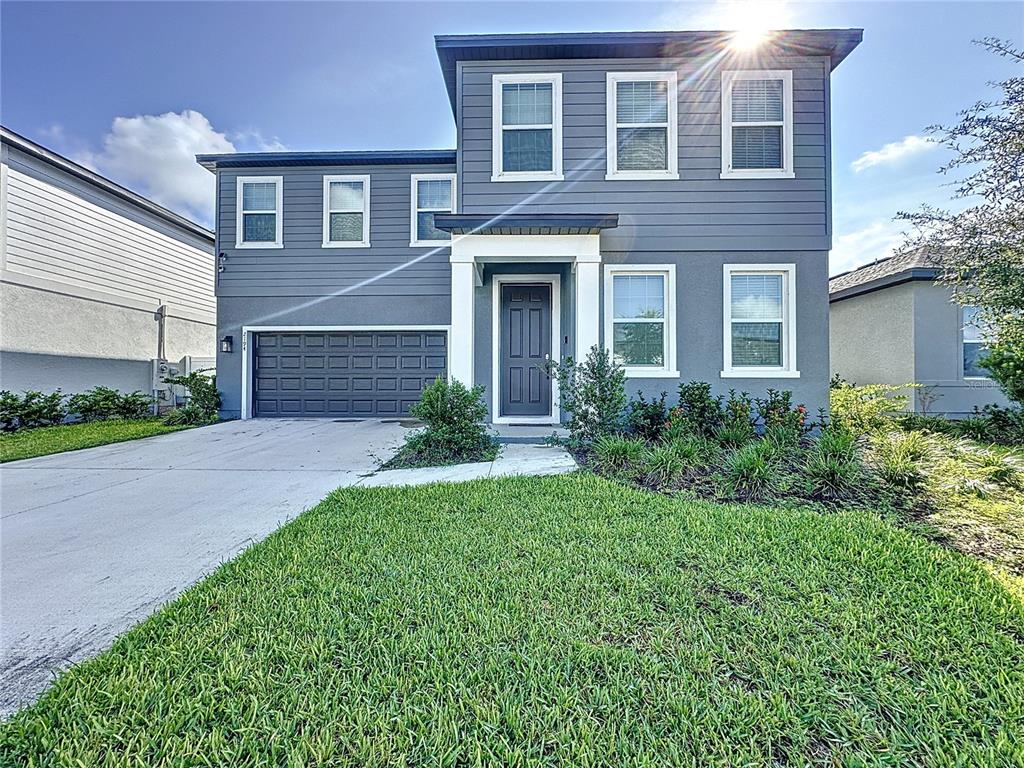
column 431, row 193
column 757, row 124
column 640, row 318
column 973, row 342
column 526, row 141
column 346, row 212
column 760, row 321
column 258, row 204
column 642, row 125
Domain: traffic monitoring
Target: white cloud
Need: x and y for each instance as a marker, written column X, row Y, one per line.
column 893, row 152
column 155, row 156
column 873, row 242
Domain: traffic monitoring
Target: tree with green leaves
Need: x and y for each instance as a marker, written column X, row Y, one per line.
column 979, row 250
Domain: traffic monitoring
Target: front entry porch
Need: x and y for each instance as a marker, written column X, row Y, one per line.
column 525, row 292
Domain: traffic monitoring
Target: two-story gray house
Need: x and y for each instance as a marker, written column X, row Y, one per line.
column 659, row 193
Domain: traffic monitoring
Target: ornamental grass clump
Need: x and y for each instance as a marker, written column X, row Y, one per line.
column 619, row 455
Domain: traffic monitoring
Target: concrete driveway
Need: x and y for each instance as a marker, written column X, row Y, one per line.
column 93, row 541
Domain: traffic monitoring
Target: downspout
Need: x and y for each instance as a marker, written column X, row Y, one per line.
column 161, row 318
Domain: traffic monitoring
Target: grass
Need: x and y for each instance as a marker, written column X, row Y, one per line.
column 43, row 441
column 557, row 621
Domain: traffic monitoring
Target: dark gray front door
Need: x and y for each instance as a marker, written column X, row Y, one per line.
column 525, row 347
column 345, row 373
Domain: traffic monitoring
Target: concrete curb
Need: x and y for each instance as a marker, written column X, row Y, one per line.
column 514, row 459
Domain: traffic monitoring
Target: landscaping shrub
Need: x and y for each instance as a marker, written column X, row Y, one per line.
column 1005, row 362
column 664, row 464
column 737, row 426
column 991, row 424
column 832, row 468
column 777, row 411
column 647, row 418
column 615, row 454
column 751, row 472
column 454, row 431
column 899, row 459
column 201, row 394
column 31, row 409
column 867, row 408
column 593, row 393
column 101, row 403
column 698, row 412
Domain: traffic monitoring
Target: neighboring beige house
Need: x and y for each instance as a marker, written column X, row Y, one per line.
column 891, row 323
column 96, row 282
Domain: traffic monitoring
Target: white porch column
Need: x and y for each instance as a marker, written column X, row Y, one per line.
column 588, row 299
column 460, row 343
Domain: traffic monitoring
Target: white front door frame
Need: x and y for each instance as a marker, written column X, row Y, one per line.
column 524, row 278
column 249, row 336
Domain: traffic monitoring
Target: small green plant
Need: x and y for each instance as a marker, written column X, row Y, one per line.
column 454, row 431
column 31, row 409
column 1004, row 360
column 647, row 418
column 615, row 454
column 737, row 426
column 865, row 409
column 776, row 411
column 593, row 393
column 751, row 472
column 899, row 459
column 832, row 467
column 200, row 392
column 664, row 464
column 698, row 411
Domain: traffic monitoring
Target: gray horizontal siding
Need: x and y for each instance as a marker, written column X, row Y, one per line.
column 389, row 267
column 697, row 212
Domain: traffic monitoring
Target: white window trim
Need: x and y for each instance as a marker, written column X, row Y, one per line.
column 963, row 341
column 671, row 79
column 365, row 242
column 278, row 212
column 497, row 81
column 788, row 369
column 414, row 241
column 668, row 271
column 728, row 78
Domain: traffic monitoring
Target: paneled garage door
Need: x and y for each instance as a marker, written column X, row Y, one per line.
column 345, row 373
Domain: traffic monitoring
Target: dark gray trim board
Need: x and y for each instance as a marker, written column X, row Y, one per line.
column 292, row 159
column 40, row 152
column 888, row 281
column 526, row 223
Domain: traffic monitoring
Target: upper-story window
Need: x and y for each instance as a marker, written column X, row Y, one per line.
column 431, row 193
column 527, row 122
column 757, row 124
column 258, row 212
column 642, row 125
column 760, row 320
column 346, row 211
column 973, row 330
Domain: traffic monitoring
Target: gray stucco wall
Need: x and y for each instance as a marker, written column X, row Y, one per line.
column 51, row 340
column 908, row 333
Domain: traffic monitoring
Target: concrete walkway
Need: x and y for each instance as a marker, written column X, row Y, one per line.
column 93, row 541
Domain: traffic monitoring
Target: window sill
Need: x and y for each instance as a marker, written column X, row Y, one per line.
column 528, row 177
column 757, row 175
column 259, row 245
column 753, row 373
column 345, row 245
column 641, row 176
column 650, row 373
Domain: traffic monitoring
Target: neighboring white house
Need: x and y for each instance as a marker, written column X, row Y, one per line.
column 890, row 322
column 96, row 282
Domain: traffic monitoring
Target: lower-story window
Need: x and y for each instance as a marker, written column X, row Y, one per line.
column 973, row 343
column 760, row 320
column 640, row 318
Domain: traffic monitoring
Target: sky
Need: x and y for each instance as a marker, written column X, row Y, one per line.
column 135, row 89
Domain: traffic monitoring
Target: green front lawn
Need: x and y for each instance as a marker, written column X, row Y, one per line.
column 43, row 441
column 557, row 621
